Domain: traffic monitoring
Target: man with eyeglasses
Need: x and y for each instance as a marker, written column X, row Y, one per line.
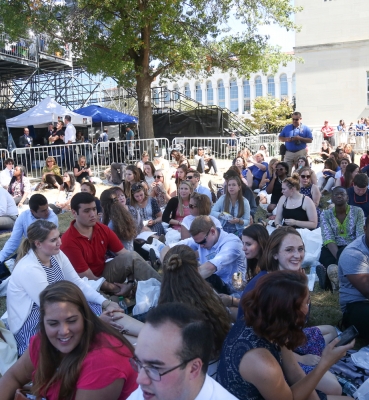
column 194, row 177
column 172, row 356
column 295, row 136
column 220, row 253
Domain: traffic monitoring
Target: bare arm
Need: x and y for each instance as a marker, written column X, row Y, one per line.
column 207, row 269
column 111, row 392
column 185, row 234
column 360, row 282
column 315, row 192
column 16, row 376
column 278, row 217
column 105, row 287
column 270, row 187
column 313, row 178
column 332, row 247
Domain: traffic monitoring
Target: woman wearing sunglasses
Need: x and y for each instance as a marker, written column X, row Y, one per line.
column 294, row 209
column 303, row 162
column 162, row 190
column 148, row 208
column 199, row 205
column 309, row 189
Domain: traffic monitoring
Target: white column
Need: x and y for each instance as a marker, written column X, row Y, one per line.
column 252, row 93
column 204, row 94
column 193, row 91
column 226, row 90
column 289, row 83
column 264, row 81
column 277, row 88
column 240, row 96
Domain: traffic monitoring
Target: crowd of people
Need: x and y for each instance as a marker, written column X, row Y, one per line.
column 233, row 309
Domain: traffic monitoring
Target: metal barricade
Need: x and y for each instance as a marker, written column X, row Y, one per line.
column 224, row 148
column 359, row 140
column 34, row 158
column 4, row 154
column 130, row 152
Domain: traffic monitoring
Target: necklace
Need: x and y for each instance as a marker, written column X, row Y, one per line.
column 280, row 180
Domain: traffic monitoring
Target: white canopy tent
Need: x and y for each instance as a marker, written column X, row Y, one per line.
column 45, row 112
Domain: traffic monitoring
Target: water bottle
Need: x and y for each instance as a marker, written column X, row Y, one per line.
column 123, row 305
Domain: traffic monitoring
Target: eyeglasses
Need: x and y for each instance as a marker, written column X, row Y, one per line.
column 158, row 176
column 200, row 149
column 188, row 177
column 136, row 187
column 152, row 372
column 295, row 119
column 192, row 206
column 305, row 176
column 205, row 238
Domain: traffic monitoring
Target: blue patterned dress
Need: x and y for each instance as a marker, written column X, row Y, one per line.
column 30, row 327
column 238, row 342
column 307, row 192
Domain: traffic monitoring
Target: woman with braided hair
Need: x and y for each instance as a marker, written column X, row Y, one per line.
column 183, row 283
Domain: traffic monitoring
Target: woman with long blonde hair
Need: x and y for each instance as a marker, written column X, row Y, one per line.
column 232, row 209
column 178, row 207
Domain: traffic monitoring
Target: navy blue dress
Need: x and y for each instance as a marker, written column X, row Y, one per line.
column 238, row 342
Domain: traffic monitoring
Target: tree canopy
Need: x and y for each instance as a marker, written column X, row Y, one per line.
column 270, row 115
column 134, row 41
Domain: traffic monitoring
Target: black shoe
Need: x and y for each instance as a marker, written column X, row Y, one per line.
column 321, row 271
column 155, row 263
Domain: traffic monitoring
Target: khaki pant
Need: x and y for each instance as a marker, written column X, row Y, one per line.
column 129, row 263
column 291, row 158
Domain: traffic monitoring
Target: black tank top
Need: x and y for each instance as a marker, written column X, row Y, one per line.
column 299, row 214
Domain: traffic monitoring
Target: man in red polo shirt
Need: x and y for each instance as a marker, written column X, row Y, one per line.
column 86, row 243
column 328, row 132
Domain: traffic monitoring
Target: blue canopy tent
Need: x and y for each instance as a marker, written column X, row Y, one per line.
column 106, row 115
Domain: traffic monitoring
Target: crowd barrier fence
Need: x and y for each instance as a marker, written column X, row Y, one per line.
column 129, row 151
column 224, row 148
column 99, row 156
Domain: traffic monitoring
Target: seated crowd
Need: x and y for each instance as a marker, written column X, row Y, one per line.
column 234, row 304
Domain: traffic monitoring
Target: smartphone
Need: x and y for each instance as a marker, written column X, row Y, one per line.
column 347, row 336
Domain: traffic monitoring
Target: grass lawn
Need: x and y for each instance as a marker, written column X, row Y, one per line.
column 324, row 305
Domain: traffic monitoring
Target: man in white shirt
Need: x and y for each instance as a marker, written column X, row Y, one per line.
column 7, row 173
column 194, row 177
column 172, row 356
column 38, row 209
column 8, row 210
column 69, row 138
column 70, row 130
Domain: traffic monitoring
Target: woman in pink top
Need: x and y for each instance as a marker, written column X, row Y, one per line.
column 75, row 355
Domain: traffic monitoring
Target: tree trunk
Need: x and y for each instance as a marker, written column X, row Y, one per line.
column 143, row 89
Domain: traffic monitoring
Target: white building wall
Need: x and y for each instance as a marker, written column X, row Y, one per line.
column 180, row 83
column 332, row 84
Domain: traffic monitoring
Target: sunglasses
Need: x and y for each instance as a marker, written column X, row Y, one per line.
column 205, row 238
column 295, row 119
column 305, row 176
column 189, row 177
column 192, row 206
column 279, row 169
column 158, row 176
column 136, row 187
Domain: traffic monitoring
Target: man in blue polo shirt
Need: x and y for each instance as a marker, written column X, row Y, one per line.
column 295, row 137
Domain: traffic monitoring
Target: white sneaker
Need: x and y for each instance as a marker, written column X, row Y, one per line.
column 332, row 272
